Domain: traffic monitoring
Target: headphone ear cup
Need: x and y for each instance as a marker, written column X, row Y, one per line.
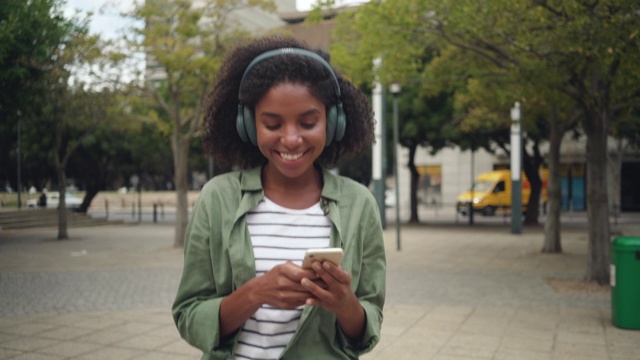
column 242, row 132
column 250, row 125
column 332, row 118
column 341, row 122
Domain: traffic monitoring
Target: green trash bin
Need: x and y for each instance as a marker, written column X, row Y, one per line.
column 625, row 282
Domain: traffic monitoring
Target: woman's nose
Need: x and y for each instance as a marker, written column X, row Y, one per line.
column 291, row 136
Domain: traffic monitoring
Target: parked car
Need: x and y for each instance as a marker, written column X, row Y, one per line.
column 53, row 199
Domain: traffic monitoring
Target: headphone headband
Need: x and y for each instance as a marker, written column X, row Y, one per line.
column 336, row 119
column 294, row 51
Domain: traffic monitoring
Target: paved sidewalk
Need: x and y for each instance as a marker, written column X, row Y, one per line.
column 454, row 293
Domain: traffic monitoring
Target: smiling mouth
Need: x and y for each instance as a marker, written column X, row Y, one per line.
column 291, row 157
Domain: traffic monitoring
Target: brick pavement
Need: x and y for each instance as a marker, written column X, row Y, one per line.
column 453, row 293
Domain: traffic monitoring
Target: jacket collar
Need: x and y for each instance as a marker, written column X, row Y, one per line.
column 251, row 187
column 330, row 188
column 251, row 181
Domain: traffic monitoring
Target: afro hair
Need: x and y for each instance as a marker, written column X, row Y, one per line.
column 220, row 137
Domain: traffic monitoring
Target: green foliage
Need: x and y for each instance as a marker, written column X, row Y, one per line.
column 563, row 60
column 540, row 53
column 422, row 120
column 184, row 42
column 387, row 31
column 379, row 30
column 30, row 32
column 40, row 51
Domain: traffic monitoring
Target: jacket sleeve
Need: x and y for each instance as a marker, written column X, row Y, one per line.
column 372, row 286
column 197, row 304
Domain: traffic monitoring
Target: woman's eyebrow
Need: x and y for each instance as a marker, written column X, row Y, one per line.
column 276, row 115
column 270, row 114
column 310, row 112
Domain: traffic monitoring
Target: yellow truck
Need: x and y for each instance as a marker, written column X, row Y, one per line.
column 491, row 192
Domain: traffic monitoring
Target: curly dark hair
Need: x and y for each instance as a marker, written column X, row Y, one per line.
column 220, row 137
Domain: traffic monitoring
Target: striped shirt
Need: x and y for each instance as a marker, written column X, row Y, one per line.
column 278, row 235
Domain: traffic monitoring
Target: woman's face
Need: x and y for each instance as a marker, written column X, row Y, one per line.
column 291, row 128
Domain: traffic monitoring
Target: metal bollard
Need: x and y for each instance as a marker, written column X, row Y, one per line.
column 155, row 213
column 106, row 209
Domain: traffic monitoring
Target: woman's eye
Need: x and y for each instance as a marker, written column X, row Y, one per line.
column 272, row 127
column 308, row 125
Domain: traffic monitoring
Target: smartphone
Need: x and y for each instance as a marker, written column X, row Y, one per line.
column 329, row 254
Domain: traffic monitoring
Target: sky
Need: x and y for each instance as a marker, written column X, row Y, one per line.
column 108, row 23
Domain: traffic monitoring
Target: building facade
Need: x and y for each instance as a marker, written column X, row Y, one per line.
column 451, row 171
column 248, row 18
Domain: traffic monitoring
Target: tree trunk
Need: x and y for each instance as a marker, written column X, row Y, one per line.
column 180, row 148
column 615, row 169
column 531, row 168
column 91, row 193
column 93, row 186
column 597, row 129
column 413, row 191
column 59, row 165
column 552, row 242
column 62, row 206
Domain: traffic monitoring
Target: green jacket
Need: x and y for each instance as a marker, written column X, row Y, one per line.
column 219, row 259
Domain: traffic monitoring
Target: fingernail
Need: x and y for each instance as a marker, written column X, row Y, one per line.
column 326, row 265
column 316, row 266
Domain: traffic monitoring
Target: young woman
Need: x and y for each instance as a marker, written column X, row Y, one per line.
column 282, row 116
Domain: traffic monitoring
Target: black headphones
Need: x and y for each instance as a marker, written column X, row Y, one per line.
column 336, row 119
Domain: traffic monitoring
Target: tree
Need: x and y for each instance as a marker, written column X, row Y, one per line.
column 184, row 42
column 483, row 91
column 114, row 150
column 30, row 32
column 561, row 120
column 80, row 99
column 423, row 121
column 581, row 50
column 61, row 81
column 435, row 71
column 602, row 77
column 481, row 104
column 422, row 116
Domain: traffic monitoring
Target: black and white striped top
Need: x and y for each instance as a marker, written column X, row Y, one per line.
column 278, row 235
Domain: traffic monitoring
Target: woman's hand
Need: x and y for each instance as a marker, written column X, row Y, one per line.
column 335, row 295
column 281, row 286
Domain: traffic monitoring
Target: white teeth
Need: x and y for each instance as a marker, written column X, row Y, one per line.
column 291, row 157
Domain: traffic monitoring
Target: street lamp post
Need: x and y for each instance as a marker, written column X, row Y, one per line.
column 378, row 150
column 395, row 90
column 516, row 169
column 473, row 166
column 135, row 181
column 19, row 187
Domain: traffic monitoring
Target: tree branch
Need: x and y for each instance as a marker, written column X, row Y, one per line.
column 544, row 4
column 498, row 61
column 156, row 96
